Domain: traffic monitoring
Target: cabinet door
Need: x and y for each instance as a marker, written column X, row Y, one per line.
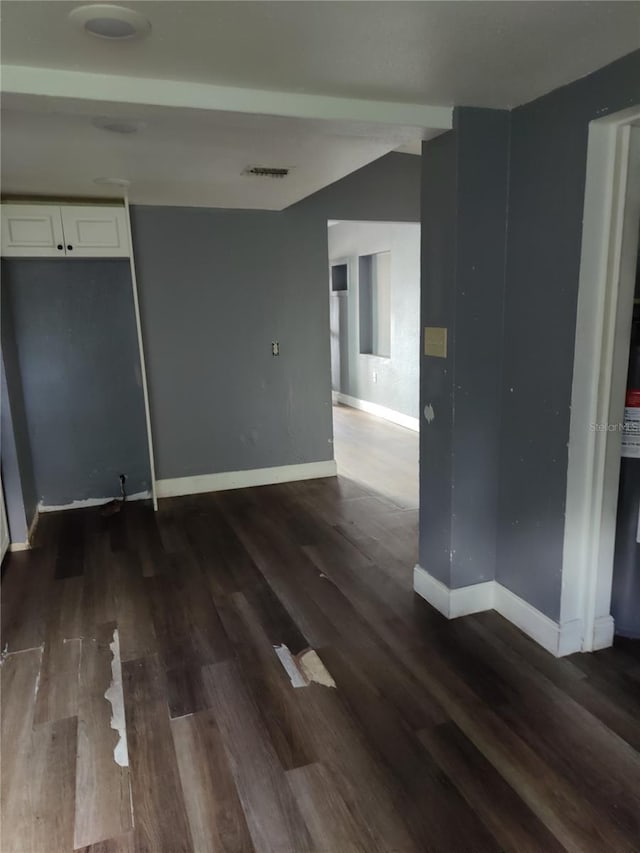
column 32, row 230
column 95, row 232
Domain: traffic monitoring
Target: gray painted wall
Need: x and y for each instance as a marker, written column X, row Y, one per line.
column 397, row 387
column 464, row 189
column 483, row 151
column 11, row 480
column 438, row 252
column 510, row 364
column 547, row 179
column 216, row 287
column 387, row 190
column 79, row 374
column 15, row 450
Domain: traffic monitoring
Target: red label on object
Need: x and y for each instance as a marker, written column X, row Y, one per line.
column 633, row 398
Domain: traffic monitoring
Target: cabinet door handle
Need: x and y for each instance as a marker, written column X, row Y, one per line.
column 60, row 247
column 70, row 247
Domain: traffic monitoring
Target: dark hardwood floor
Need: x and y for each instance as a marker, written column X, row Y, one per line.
column 438, row 736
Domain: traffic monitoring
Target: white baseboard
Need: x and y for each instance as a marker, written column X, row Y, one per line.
column 452, row 602
column 89, row 502
column 603, row 630
column 559, row 639
column 243, row 479
column 26, row 546
column 375, row 409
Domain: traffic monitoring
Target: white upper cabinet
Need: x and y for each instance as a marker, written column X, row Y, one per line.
column 34, row 230
column 71, row 231
column 95, row 232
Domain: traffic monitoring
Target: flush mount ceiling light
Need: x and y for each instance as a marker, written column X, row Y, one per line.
column 107, row 21
column 123, row 183
column 118, row 125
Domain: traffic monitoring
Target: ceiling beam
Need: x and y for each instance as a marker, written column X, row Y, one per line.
column 113, row 88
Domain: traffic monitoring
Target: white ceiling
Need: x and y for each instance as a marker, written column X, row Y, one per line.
column 180, row 156
column 491, row 54
column 199, row 136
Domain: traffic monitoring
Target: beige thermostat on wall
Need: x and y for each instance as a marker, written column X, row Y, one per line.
column 435, row 341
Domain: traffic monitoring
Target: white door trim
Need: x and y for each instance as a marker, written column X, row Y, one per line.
column 143, row 366
column 601, row 348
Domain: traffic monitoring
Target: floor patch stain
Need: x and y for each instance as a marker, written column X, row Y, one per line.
column 115, row 696
column 314, row 669
column 304, row 668
column 291, row 667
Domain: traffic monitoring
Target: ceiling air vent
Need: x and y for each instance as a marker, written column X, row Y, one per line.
column 266, row 171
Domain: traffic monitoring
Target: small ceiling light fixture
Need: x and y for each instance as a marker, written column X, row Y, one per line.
column 107, row 21
column 122, row 183
column 118, row 125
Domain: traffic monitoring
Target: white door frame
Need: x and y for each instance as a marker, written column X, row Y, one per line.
column 143, row 366
column 607, row 277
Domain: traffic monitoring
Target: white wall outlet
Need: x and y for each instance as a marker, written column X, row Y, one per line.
column 375, row 375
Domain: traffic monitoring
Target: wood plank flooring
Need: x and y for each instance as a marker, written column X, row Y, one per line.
column 446, row 737
column 377, row 454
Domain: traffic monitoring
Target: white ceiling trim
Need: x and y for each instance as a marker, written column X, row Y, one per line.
column 49, row 82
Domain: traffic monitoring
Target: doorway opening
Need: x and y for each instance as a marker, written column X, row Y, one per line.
column 374, row 297
column 603, row 332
